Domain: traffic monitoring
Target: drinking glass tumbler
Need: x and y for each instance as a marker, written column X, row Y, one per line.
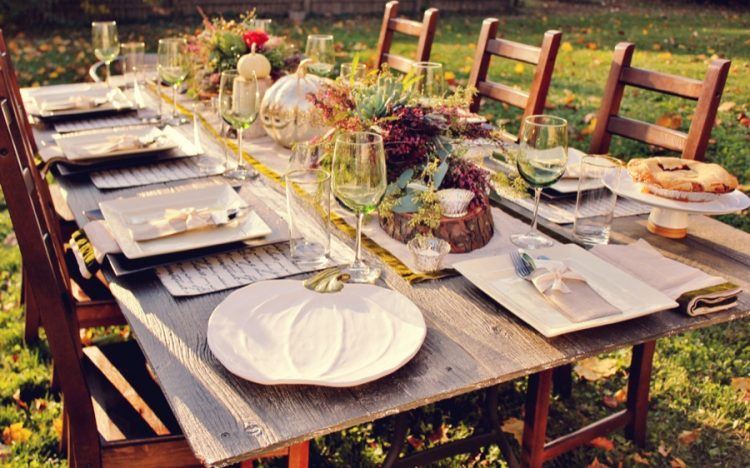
column 308, row 200
column 595, row 203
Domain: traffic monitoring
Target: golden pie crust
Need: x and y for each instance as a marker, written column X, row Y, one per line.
column 678, row 178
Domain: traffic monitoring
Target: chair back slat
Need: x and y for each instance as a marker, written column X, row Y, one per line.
column 42, row 267
column 488, row 45
column 424, row 30
column 679, row 86
column 500, row 92
column 707, row 93
column 648, row 133
column 514, row 50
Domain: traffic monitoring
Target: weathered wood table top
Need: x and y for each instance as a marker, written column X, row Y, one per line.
column 471, row 343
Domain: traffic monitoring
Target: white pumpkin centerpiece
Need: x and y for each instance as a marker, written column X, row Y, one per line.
column 287, row 115
column 258, row 64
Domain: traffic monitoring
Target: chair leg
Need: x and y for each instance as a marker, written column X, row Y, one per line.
column 562, row 381
column 32, row 320
column 638, row 387
column 299, row 455
column 401, row 426
column 535, row 423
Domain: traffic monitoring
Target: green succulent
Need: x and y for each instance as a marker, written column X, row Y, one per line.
column 376, row 101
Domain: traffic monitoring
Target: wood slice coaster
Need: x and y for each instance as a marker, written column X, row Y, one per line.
column 470, row 232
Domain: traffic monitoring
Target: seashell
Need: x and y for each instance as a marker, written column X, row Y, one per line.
column 428, row 252
column 454, row 202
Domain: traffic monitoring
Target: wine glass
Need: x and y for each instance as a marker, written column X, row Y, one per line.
column 359, row 181
column 239, row 104
column 320, row 50
column 173, row 66
column 353, row 74
column 430, row 80
column 105, row 42
column 541, row 161
column 259, row 24
column 134, row 57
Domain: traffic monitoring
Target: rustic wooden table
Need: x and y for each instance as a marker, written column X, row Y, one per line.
column 472, row 343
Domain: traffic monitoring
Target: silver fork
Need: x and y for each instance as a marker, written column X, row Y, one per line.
column 522, row 268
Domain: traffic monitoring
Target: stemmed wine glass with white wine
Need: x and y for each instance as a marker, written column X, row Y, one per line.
column 359, row 181
column 173, row 66
column 320, row 49
column 105, row 42
column 239, row 105
column 541, row 161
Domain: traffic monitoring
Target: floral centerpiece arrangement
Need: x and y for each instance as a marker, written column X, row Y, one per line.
column 220, row 43
column 433, row 190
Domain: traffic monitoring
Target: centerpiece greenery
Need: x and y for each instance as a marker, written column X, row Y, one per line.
column 220, row 43
column 422, row 139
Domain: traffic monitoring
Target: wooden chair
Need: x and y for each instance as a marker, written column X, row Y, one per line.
column 532, row 102
column 707, row 93
column 94, row 305
column 425, row 31
column 114, row 412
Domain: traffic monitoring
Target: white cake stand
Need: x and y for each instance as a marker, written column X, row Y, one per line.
column 669, row 218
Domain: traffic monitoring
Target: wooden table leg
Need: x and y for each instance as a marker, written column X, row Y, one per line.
column 299, row 455
column 562, row 381
column 638, row 387
column 535, row 423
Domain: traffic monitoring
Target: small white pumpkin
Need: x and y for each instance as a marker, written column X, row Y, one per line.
column 254, row 62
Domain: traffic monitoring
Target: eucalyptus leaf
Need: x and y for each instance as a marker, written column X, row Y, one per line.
column 406, row 204
column 405, row 177
column 437, row 179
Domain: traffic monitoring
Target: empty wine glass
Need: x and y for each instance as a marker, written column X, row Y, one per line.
column 105, row 42
column 133, row 59
column 239, row 102
column 259, row 24
column 320, row 50
column 359, row 181
column 541, row 161
column 430, row 80
column 353, row 74
column 173, row 66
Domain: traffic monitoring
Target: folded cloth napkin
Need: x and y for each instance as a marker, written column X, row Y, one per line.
column 569, row 292
column 113, row 143
column 70, row 103
column 697, row 292
column 175, row 221
column 89, row 246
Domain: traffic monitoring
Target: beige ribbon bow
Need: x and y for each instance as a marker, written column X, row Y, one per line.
column 550, row 275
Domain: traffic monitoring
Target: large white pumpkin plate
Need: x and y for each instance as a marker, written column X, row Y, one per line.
column 279, row 332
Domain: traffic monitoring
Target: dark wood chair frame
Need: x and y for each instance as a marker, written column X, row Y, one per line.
column 543, row 58
column 425, row 31
column 91, row 312
column 707, row 93
column 82, row 416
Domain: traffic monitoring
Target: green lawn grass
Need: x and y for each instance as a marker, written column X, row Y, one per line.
column 691, row 389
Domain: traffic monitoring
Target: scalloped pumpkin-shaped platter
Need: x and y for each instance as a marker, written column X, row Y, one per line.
column 279, row 332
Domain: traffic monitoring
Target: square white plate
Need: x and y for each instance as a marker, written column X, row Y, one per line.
column 73, row 145
column 497, row 278
column 568, row 183
column 37, row 96
column 117, row 213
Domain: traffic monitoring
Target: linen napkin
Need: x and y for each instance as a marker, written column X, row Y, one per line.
column 89, row 246
column 570, row 292
column 697, row 292
column 175, row 221
column 70, row 103
column 115, row 143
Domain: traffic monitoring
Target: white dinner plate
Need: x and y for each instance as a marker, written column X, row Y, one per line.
column 497, row 278
column 569, row 182
column 117, row 213
column 728, row 203
column 38, row 96
column 74, row 146
column 279, row 332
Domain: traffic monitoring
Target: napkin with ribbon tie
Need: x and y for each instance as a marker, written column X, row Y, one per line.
column 569, row 291
column 175, row 221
